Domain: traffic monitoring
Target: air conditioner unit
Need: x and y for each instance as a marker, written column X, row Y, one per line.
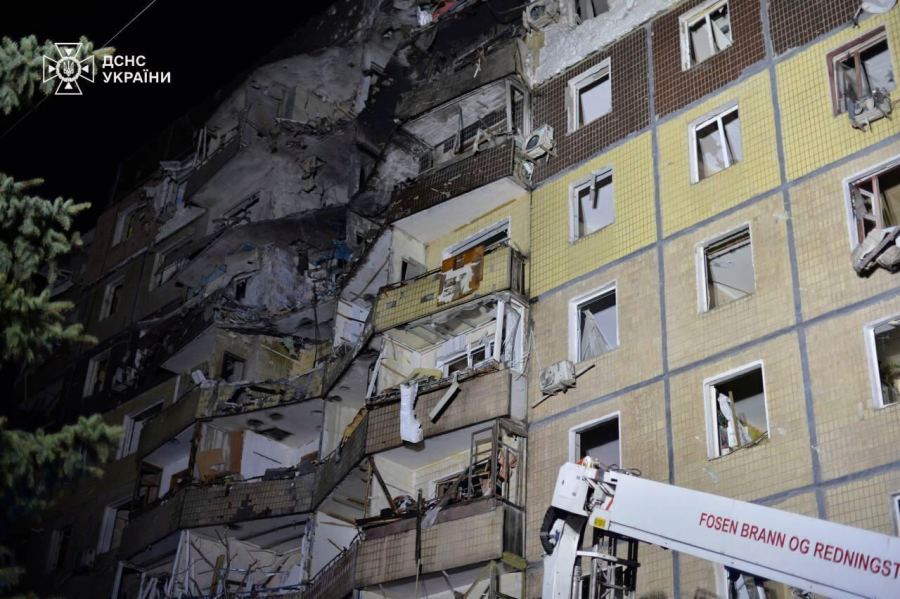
column 870, row 108
column 539, row 142
column 540, row 13
column 558, row 377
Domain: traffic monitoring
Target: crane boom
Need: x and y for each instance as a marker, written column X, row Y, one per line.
column 805, row 553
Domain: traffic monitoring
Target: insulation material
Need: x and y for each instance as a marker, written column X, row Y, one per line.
column 461, row 275
column 410, row 428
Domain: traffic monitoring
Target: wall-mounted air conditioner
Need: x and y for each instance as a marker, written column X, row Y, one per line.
column 540, row 13
column 870, row 108
column 557, row 377
column 539, row 142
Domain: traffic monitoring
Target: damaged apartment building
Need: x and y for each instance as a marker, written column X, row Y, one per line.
column 353, row 322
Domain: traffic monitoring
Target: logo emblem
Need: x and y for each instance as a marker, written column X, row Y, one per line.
column 68, row 69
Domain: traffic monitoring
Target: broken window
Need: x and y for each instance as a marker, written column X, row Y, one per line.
column 886, row 341
column 115, row 518
column 112, row 295
column 410, row 269
column 875, row 201
column 126, row 224
column 59, row 547
column 168, row 264
column 517, row 108
column 588, row 9
column 705, row 31
column 737, row 406
column 232, row 368
column 472, row 358
column 859, row 69
column 597, row 325
column 727, row 270
column 489, row 237
column 590, row 95
column 599, row 441
column 97, row 371
column 592, row 205
column 132, row 426
column 716, row 144
column 240, row 288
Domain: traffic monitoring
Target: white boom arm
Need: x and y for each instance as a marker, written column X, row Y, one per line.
column 805, row 553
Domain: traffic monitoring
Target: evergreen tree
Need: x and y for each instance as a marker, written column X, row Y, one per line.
column 34, row 234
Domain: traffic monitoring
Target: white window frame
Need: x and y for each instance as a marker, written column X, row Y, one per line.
column 128, row 424
column 106, row 304
column 895, row 511
column 714, row 116
column 107, row 525
column 576, row 430
column 709, row 401
column 574, row 188
column 479, row 237
column 593, row 74
column 575, row 333
column 872, row 359
column 701, row 265
column 92, row 371
column 526, row 108
column 122, row 218
column 688, row 19
column 849, row 182
column 488, row 348
column 855, row 47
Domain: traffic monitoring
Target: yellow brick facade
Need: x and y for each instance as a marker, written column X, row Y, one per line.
column 685, row 203
column 555, row 258
column 807, row 112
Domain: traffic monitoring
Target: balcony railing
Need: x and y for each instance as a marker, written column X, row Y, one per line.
column 502, row 269
column 451, row 179
column 194, row 506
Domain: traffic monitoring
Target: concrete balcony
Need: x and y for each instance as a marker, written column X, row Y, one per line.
column 195, row 506
column 488, row 172
column 502, row 269
column 482, row 396
column 462, row 535
column 169, row 422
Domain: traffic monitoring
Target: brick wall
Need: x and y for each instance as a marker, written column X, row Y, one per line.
column 630, row 110
column 676, row 88
column 796, row 23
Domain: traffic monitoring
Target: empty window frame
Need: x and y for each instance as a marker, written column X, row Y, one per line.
column 232, row 367
column 97, row 373
column 736, row 410
column 132, row 425
column 874, row 201
column 112, row 296
column 590, row 95
column 583, row 10
column 591, row 205
column 883, row 345
column 598, row 439
column 410, row 269
column 859, row 68
column 115, row 518
column 594, row 325
column 59, row 547
column 705, row 31
column 488, row 237
column 126, row 224
column 473, row 357
column 725, row 268
column 715, row 144
column 518, row 109
column 168, row 264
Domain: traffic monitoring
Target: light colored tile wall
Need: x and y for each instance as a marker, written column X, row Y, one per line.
column 638, row 356
column 777, row 464
column 693, row 335
column 806, row 107
column 685, row 203
column 821, row 221
column 866, row 503
column 852, row 434
column 555, row 258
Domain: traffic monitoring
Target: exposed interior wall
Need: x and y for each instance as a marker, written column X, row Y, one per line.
column 261, row 453
column 517, row 210
column 329, row 532
column 404, row 246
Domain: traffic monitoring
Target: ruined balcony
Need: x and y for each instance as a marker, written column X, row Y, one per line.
column 501, row 269
column 483, row 395
column 299, row 490
column 169, row 422
column 461, row 510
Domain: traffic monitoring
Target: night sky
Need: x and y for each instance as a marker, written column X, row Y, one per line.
column 77, row 143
